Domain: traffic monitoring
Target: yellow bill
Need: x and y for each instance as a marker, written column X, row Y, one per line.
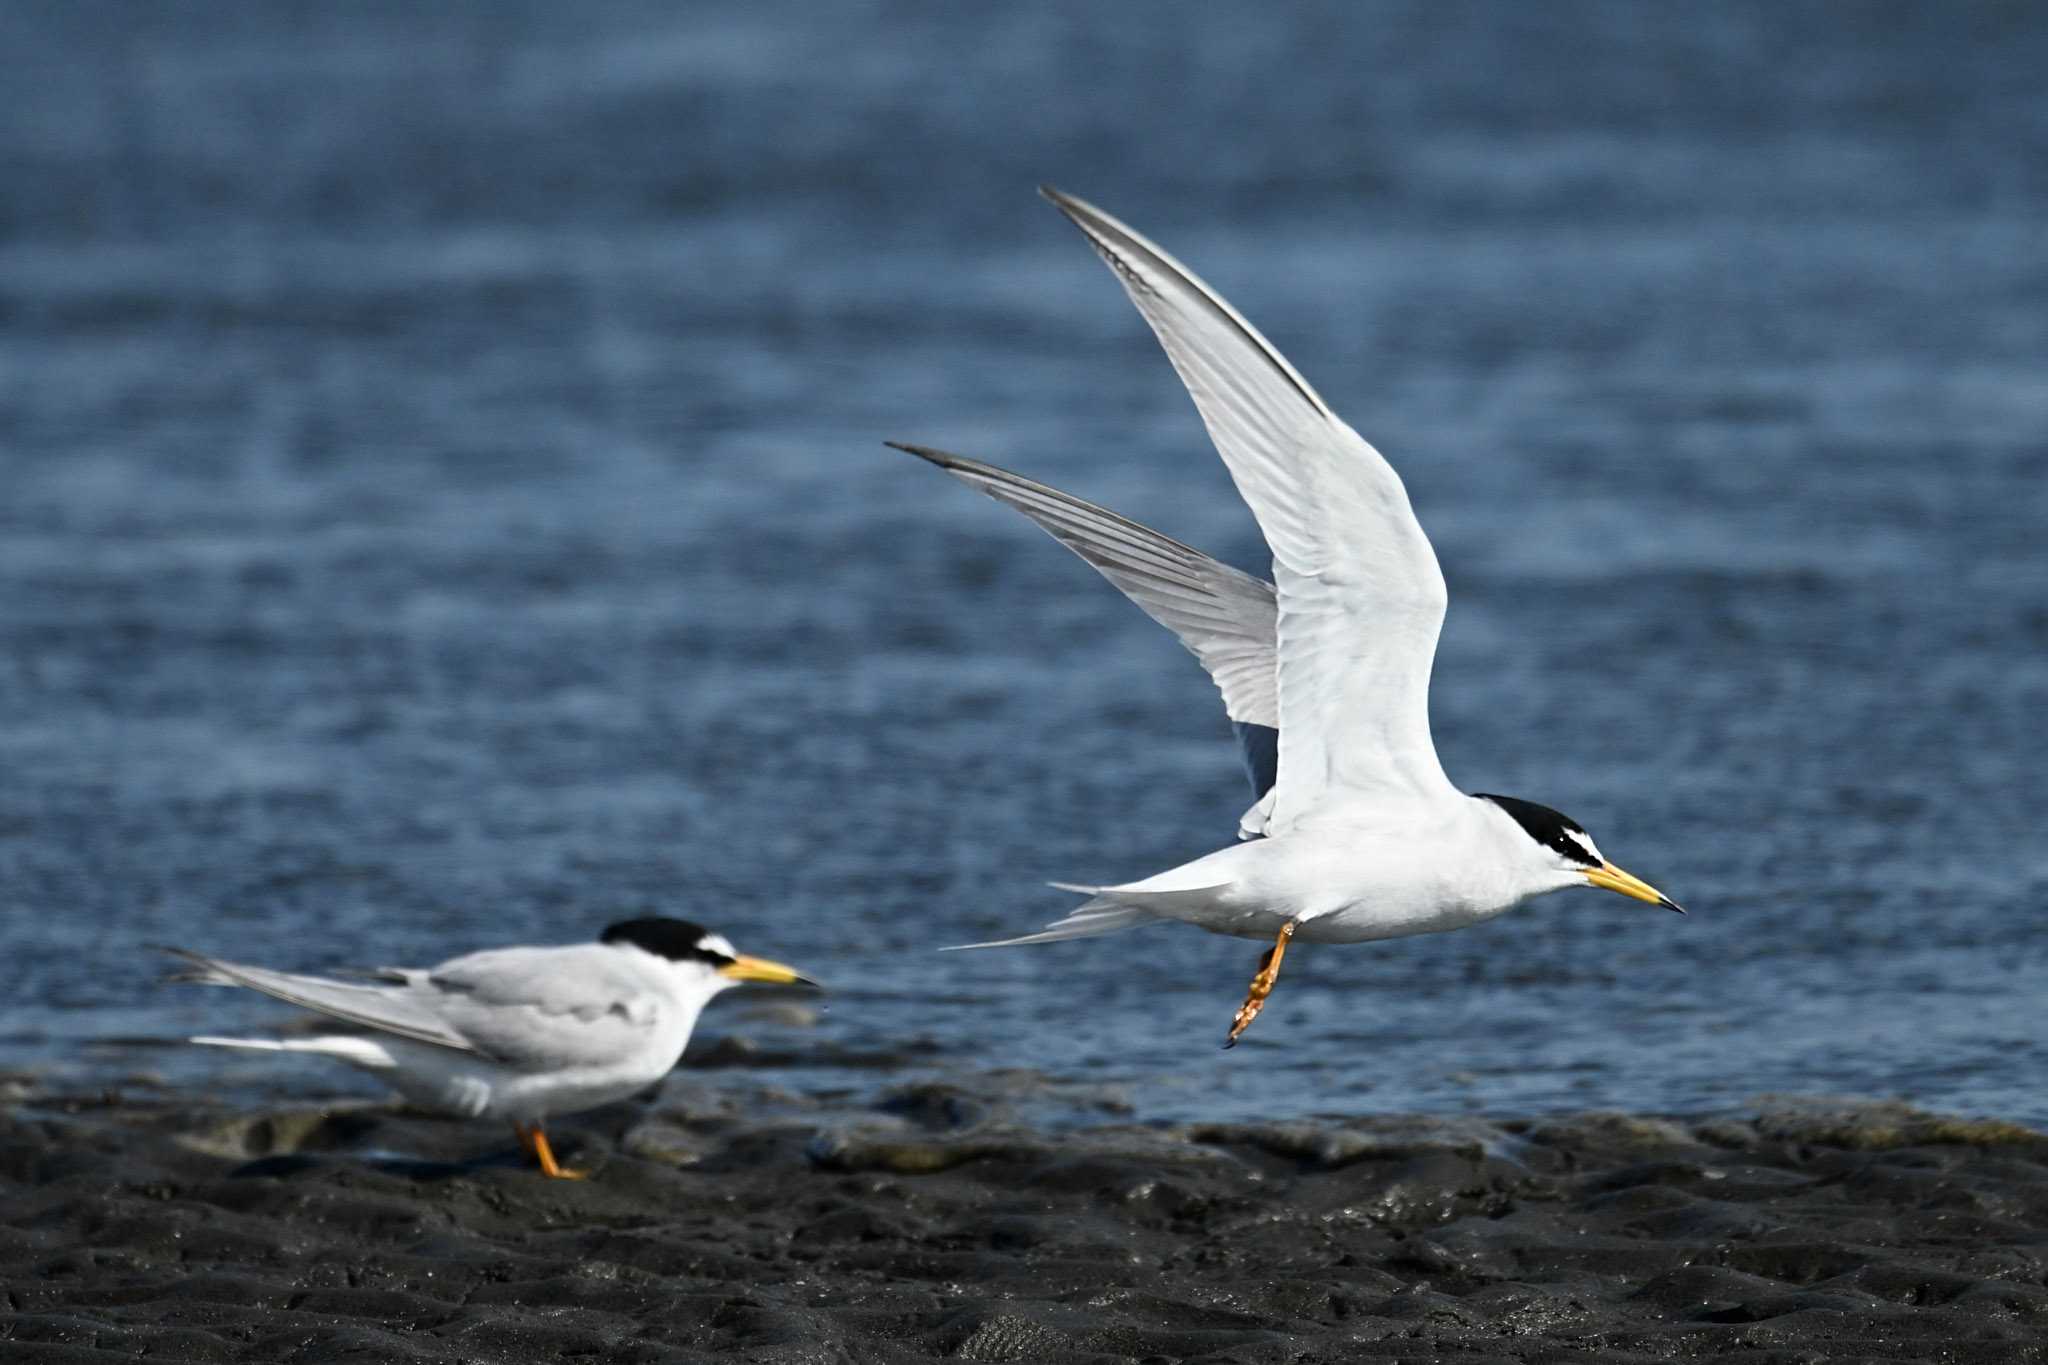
column 744, row 968
column 1608, row 877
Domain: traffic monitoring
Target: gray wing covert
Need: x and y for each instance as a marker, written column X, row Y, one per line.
column 547, row 1007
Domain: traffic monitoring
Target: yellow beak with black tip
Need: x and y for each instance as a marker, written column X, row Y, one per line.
column 744, row 968
column 1608, row 877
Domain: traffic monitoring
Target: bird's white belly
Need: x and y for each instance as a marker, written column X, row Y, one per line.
column 467, row 1086
column 1350, row 886
column 1388, row 914
column 1365, row 921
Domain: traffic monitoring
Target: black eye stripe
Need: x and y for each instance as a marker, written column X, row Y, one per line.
column 1552, row 829
column 678, row 940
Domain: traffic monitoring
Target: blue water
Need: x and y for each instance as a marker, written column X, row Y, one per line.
column 444, row 505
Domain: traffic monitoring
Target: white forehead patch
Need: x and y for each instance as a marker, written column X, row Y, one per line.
column 716, row 943
column 1585, row 841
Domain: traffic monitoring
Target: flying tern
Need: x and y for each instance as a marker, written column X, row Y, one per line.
column 1357, row 834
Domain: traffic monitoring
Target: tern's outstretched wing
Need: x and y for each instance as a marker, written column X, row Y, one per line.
column 1224, row 616
column 1360, row 597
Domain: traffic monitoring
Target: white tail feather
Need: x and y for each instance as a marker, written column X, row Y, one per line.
column 364, row 1052
column 1101, row 915
column 1096, row 917
column 1110, row 908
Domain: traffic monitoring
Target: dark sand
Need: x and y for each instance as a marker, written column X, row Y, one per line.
column 929, row 1224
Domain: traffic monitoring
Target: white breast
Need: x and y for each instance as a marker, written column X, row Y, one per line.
column 1412, row 868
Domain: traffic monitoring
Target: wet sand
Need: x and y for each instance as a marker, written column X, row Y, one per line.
column 930, row 1223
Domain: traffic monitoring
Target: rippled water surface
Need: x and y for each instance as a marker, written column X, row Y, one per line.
column 442, row 504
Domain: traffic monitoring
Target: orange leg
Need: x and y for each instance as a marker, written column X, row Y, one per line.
column 534, row 1143
column 1262, row 985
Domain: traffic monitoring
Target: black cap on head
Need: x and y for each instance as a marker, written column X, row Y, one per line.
column 678, row 940
column 1553, row 829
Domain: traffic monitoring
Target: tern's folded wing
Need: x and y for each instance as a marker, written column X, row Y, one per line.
column 387, row 1009
column 549, row 1007
column 1360, row 597
column 1224, row 616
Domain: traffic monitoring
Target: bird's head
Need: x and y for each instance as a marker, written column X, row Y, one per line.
column 1560, row 849
column 706, row 962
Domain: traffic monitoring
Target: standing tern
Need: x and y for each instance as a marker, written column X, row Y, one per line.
column 516, row 1033
column 1363, row 836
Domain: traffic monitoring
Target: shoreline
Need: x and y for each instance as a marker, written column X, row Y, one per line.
column 926, row 1222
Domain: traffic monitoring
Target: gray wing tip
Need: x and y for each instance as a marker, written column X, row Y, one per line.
column 981, row 469
column 1125, row 249
column 1072, row 205
column 199, row 970
column 955, row 464
column 1096, row 225
column 943, row 459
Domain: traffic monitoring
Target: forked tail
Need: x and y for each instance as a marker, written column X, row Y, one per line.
column 1099, row 915
column 1110, row 908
